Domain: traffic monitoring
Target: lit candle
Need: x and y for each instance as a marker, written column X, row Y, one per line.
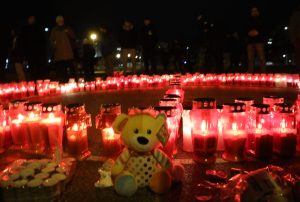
column 187, row 131
column 35, row 134
column 234, row 144
column 204, row 144
column 77, row 141
column 260, row 142
column 19, row 132
column 111, row 142
column 2, row 138
column 285, row 140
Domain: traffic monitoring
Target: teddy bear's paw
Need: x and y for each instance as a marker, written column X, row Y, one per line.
column 125, row 185
column 160, row 182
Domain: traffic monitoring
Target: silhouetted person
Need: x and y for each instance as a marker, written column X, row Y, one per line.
column 215, row 47
column 34, row 48
column 108, row 48
column 5, row 39
column 149, row 41
column 63, row 42
column 294, row 31
column 255, row 40
column 88, row 58
column 128, row 40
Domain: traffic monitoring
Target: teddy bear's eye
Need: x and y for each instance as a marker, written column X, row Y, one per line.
column 149, row 131
column 136, row 131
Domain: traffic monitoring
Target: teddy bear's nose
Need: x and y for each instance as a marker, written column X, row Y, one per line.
column 142, row 140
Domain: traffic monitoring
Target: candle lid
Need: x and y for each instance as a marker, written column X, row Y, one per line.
column 234, row 107
column 187, row 105
column 260, row 108
column 170, row 95
column 279, row 99
column 204, row 103
column 17, row 103
column 32, row 106
column 51, row 107
column 75, row 108
column 244, row 99
column 108, row 108
column 168, row 110
column 284, row 107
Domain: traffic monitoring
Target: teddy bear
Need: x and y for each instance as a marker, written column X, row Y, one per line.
column 141, row 163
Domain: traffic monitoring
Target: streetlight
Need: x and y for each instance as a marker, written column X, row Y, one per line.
column 94, row 37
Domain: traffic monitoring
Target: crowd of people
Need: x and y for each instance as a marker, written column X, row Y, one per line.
column 29, row 49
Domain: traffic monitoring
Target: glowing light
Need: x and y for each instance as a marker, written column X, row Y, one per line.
column 93, row 36
column 286, row 28
column 118, row 55
column 128, row 55
column 46, row 29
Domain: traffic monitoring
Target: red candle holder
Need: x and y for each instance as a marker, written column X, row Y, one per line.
column 107, row 115
column 18, row 127
column 248, row 102
column 284, row 132
column 272, row 100
column 260, row 137
column 32, row 112
column 234, row 134
column 52, row 126
column 77, row 121
column 111, row 143
column 204, row 130
column 171, row 127
column 187, row 144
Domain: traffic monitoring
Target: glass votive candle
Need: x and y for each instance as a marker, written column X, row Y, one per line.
column 52, row 123
column 32, row 113
column 77, row 122
column 107, row 115
column 171, row 127
column 235, row 131
column 271, row 100
column 187, row 144
column 111, row 143
column 248, row 102
column 204, row 130
column 284, row 130
column 175, row 88
column 260, row 137
column 18, row 127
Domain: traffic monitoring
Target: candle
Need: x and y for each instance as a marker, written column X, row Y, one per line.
column 285, row 140
column 204, row 144
column 111, row 142
column 234, row 144
column 2, row 138
column 19, row 132
column 187, row 131
column 77, row 141
column 35, row 134
column 260, row 142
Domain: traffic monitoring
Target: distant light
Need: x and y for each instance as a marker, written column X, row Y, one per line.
column 286, row 28
column 6, row 65
column 187, row 48
column 269, row 63
column 46, row 29
column 136, row 57
column 129, row 55
column 6, row 60
column 118, row 55
column 27, row 66
column 270, row 39
column 284, row 55
column 49, row 61
column 140, row 57
column 93, row 36
column 119, row 49
column 205, row 22
column 270, row 42
column 290, row 61
column 185, row 62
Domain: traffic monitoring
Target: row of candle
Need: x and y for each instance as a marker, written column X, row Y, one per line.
column 236, row 128
column 46, row 87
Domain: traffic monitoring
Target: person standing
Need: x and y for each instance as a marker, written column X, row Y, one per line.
column 63, row 42
column 149, row 41
column 128, row 40
column 294, row 32
column 88, row 59
column 255, row 40
column 108, row 47
column 34, row 48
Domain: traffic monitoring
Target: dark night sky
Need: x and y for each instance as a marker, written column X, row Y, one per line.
column 173, row 19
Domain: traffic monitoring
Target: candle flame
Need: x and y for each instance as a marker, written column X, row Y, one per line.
column 234, row 126
column 283, row 125
column 51, row 116
column 20, row 117
column 31, row 115
column 259, row 126
column 203, row 126
column 108, row 133
column 75, row 127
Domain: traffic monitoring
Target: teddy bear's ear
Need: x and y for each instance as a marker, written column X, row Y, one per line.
column 120, row 122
